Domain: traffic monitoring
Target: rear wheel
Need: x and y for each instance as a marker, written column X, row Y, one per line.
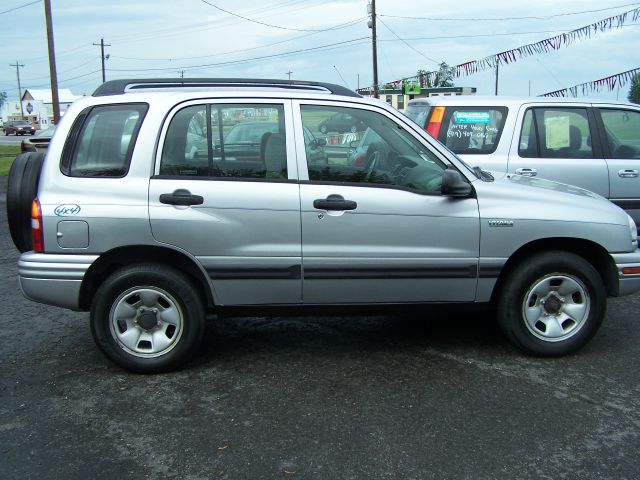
column 148, row 318
column 552, row 305
column 22, row 188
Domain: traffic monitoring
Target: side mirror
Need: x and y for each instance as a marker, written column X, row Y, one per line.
column 454, row 184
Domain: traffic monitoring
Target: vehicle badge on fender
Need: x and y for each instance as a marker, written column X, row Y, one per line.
column 66, row 210
column 501, row 223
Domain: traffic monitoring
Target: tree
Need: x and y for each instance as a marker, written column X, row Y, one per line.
column 443, row 78
column 3, row 98
column 634, row 91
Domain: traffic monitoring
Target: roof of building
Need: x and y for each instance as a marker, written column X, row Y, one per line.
column 44, row 95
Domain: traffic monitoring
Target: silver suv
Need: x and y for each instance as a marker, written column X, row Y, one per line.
column 588, row 143
column 149, row 213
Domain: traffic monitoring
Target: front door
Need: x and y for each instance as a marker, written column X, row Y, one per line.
column 622, row 150
column 222, row 194
column 379, row 231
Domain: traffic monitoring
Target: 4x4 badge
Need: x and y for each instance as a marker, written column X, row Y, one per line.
column 501, row 223
column 66, row 210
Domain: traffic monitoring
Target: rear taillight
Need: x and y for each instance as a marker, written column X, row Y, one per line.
column 37, row 233
column 435, row 122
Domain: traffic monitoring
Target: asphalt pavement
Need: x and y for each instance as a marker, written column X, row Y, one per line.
column 432, row 395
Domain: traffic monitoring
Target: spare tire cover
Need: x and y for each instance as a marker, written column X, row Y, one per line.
column 22, row 188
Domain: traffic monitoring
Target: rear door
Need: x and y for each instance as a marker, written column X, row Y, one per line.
column 234, row 206
column 620, row 127
column 381, row 231
column 559, row 143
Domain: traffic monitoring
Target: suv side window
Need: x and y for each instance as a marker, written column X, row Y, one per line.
column 102, row 140
column 555, row 133
column 226, row 141
column 623, row 132
column 380, row 153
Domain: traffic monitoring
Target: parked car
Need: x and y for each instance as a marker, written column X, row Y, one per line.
column 38, row 143
column 18, row 127
column 121, row 219
column 340, row 123
column 590, row 144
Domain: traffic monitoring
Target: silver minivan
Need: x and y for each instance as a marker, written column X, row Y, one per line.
column 148, row 213
column 588, row 143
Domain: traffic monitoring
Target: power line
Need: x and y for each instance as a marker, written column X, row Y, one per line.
column 264, row 57
column 494, row 19
column 409, row 45
column 342, row 25
column 259, row 22
column 21, row 6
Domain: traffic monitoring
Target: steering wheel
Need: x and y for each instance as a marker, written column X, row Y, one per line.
column 375, row 155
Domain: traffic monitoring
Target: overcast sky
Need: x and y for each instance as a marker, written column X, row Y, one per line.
column 162, row 38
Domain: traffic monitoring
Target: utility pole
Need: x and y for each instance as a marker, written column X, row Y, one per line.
column 289, row 73
column 52, row 63
column 181, row 73
column 497, row 77
column 102, row 45
column 372, row 25
column 18, row 65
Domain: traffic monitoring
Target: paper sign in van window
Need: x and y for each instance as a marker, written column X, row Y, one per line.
column 557, row 132
column 471, row 117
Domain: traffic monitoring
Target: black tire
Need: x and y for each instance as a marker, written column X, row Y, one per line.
column 22, row 188
column 121, row 304
column 537, row 296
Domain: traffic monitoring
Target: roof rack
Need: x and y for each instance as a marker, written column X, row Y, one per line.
column 117, row 87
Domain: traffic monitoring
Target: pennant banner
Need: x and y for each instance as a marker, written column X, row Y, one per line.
column 611, row 82
column 537, row 48
column 546, row 45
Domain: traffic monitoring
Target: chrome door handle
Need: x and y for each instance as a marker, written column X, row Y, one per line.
column 527, row 172
column 628, row 173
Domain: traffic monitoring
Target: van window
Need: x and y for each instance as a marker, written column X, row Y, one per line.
column 472, row 130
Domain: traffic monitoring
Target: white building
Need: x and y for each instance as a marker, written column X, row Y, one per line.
column 37, row 107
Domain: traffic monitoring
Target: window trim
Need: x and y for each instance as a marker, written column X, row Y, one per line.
column 71, row 145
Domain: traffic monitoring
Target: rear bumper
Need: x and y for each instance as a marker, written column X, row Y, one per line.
column 628, row 282
column 53, row 279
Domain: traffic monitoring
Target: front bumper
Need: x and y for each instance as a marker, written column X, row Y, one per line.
column 627, row 282
column 53, row 279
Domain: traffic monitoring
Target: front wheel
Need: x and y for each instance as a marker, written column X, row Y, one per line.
column 147, row 318
column 552, row 304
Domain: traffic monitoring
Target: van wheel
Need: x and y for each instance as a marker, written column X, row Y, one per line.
column 22, row 188
column 552, row 304
column 148, row 318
